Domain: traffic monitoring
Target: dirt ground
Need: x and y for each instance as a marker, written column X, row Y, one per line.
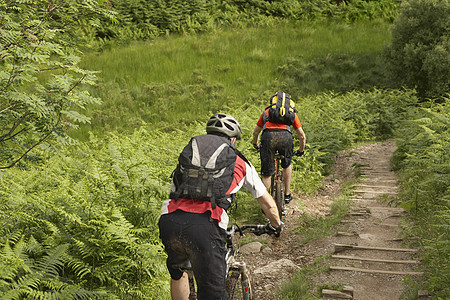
column 377, row 226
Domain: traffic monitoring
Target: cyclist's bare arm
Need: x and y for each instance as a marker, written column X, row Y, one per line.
column 302, row 139
column 256, row 133
column 269, row 207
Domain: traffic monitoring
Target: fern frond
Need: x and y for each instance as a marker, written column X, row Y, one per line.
column 13, row 261
column 28, row 282
column 53, row 261
column 79, row 267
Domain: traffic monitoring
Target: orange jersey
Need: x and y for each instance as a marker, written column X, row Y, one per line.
column 264, row 122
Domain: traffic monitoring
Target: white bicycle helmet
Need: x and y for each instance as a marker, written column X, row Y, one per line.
column 225, row 124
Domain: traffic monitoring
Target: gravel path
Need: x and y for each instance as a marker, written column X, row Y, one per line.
column 366, row 256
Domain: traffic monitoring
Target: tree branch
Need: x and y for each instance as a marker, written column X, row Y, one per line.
column 26, row 152
column 76, row 84
column 11, row 106
column 7, row 137
column 16, row 124
column 33, row 146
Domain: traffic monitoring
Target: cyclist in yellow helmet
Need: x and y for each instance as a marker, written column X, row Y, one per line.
column 277, row 136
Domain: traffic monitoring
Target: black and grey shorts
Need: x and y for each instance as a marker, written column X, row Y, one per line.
column 196, row 237
column 271, row 142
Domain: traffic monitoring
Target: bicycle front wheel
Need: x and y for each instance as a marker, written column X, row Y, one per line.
column 239, row 285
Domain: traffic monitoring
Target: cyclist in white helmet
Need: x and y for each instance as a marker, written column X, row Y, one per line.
column 194, row 220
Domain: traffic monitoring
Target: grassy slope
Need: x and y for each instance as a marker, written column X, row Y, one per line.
column 197, row 75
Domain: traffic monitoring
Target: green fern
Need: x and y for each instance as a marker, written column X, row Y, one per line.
column 22, row 276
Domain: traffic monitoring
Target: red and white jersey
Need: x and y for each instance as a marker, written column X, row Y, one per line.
column 245, row 175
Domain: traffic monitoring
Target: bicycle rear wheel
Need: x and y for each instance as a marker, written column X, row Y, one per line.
column 278, row 196
column 239, row 285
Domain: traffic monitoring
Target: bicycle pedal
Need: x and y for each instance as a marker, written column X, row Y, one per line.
column 287, row 198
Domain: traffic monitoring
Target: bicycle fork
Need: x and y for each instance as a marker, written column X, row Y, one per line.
column 239, row 271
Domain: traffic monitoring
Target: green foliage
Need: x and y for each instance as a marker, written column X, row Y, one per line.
column 334, row 122
column 40, row 79
column 312, row 228
column 418, row 56
column 297, row 287
column 141, row 19
column 423, row 162
column 100, row 202
column 30, row 270
column 81, row 221
column 335, row 72
column 152, row 82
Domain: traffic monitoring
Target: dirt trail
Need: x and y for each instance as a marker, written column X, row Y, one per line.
column 368, row 255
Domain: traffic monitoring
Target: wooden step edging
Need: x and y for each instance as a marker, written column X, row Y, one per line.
column 342, row 247
column 336, row 268
column 375, row 192
column 390, row 187
column 375, row 259
column 335, row 294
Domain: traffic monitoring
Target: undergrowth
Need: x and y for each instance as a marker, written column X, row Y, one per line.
column 311, row 228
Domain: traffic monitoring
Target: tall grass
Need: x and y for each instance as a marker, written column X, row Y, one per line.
column 180, row 78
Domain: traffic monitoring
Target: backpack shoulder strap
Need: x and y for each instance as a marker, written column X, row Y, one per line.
column 238, row 153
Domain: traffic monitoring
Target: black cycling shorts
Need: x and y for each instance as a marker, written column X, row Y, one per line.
column 271, row 142
column 196, row 237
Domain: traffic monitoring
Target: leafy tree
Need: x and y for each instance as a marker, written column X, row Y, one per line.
column 418, row 56
column 40, row 81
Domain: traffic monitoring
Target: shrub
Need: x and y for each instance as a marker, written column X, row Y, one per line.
column 418, row 56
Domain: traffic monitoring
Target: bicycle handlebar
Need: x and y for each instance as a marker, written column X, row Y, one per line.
column 255, row 229
column 298, row 153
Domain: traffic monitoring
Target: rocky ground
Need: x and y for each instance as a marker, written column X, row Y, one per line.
column 367, row 252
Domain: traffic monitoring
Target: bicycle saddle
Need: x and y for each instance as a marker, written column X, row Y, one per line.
column 185, row 265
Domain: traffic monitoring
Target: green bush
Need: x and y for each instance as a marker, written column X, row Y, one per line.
column 418, row 56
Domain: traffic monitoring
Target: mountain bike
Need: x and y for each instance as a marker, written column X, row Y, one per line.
column 238, row 281
column 277, row 184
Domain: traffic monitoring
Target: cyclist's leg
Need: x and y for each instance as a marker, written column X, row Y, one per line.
column 287, row 173
column 179, row 289
column 266, row 181
column 267, row 155
column 208, row 257
column 286, row 147
column 170, row 228
column 286, row 163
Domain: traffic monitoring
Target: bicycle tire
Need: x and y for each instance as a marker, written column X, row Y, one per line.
column 192, row 290
column 278, row 197
column 239, row 287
